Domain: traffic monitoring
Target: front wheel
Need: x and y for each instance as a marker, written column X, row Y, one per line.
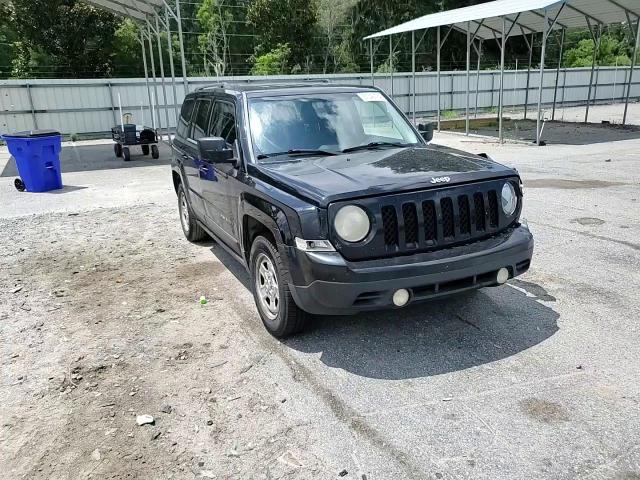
column 155, row 153
column 190, row 227
column 145, row 149
column 270, row 280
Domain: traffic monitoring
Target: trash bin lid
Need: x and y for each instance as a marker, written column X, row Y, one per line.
column 32, row 134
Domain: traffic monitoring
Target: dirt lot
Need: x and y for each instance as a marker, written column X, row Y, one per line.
column 100, row 322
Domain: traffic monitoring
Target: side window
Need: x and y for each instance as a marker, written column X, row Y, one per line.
column 185, row 118
column 223, row 122
column 200, row 119
column 376, row 120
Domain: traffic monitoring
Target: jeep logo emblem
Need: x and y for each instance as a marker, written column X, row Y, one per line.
column 440, row 179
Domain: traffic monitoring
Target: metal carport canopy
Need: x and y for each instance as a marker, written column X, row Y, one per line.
column 135, row 9
column 527, row 13
column 149, row 16
column 501, row 19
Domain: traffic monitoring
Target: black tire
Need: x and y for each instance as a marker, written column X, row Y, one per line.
column 192, row 231
column 289, row 318
column 145, row 149
column 19, row 184
column 117, row 149
column 155, row 153
column 126, row 154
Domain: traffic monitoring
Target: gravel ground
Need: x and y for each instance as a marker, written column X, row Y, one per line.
column 100, row 322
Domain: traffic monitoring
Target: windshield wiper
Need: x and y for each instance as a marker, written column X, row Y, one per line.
column 297, row 151
column 372, row 145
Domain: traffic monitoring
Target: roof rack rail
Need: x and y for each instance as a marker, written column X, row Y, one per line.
column 209, row 87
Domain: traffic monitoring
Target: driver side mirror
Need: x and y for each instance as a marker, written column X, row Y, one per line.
column 426, row 130
column 214, row 150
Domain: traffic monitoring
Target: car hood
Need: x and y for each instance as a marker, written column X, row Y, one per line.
column 377, row 172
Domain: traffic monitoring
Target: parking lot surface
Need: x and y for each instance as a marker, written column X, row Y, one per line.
column 100, row 322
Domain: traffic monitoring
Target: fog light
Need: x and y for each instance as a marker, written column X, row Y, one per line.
column 503, row 276
column 401, row 297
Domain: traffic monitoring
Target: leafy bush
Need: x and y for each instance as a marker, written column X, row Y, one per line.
column 274, row 62
column 611, row 52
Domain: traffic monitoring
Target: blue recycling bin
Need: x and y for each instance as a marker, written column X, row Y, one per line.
column 37, row 154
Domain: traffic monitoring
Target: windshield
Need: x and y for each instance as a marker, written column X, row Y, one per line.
column 326, row 124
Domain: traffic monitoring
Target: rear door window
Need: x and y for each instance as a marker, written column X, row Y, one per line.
column 185, row 118
column 200, row 119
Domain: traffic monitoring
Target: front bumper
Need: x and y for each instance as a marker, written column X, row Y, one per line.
column 327, row 284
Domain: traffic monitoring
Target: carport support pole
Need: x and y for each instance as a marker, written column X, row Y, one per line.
column 33, row 110
column 633, row 66
column 413, row 73
column 503, row 46
column 526, row 93
column 373, row 81
column 164, row 86
column 146, row 74
column 596, row 47
column 466, row 123
column 182, row 57
column 157, row 123
column 541, row 85
column 555, row 88
column 479, row 51
column 438, row 72
column 171, row 65
column 391, row 62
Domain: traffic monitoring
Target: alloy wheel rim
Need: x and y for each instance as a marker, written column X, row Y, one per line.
column 267, row 286
column 184, row 212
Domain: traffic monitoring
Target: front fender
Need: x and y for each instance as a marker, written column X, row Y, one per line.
column 270, row 215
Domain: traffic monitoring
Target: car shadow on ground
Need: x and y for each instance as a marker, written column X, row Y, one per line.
column 85, row 158
column 429, row 338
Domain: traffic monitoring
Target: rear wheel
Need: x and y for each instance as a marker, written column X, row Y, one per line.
column 145, row 149
column 19, row 184
column 155, row 153
column 126, row 154
column 270, row 280
column 190, row 227
column 117, row 149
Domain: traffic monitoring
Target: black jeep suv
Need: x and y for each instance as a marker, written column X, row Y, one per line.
column 336, row 204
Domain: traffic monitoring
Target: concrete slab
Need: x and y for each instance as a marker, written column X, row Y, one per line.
column 536, row 379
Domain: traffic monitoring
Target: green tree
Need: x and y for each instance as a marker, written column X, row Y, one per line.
column 76, row 38
column 274, row 62
column 281, row 22
column 8, row 37
column 215, row 22
column 612, row 51
column 127, row 57
column 333, row 21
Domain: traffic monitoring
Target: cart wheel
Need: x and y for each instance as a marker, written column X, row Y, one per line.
column 145, row 149
column 117, row 149
column 126, row 154
column 19, row 184
column 155, row 153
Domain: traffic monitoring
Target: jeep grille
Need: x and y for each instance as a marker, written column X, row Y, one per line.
column 429, row 220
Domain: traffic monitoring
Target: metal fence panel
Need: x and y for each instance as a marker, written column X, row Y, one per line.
column 91, row 106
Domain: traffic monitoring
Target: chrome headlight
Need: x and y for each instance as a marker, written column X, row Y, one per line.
column 509, row 199
column 352, row 223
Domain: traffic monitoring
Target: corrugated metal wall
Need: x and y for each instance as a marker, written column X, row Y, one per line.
column 91, row 106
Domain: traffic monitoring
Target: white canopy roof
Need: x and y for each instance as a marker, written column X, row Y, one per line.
column 486, row 18
column 135, row 9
